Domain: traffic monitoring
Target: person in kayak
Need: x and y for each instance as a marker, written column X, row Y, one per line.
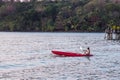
column 87, row 51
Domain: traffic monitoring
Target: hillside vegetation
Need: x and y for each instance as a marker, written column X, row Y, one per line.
column 66, row 15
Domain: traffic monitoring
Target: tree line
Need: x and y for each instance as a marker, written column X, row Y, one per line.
column 63, row 15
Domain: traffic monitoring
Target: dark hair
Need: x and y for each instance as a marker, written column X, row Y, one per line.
column 88, row 48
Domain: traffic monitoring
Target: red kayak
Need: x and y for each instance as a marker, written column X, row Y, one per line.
column 70, row 54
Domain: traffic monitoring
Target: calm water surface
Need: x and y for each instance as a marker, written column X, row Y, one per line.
column 27, row 56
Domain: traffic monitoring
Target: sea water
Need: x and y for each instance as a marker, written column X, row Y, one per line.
column 28, row 56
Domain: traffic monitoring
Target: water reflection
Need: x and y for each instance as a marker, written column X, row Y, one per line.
column 88, row 57
column 116, row 41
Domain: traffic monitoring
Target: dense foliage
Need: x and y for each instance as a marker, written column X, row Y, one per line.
column 71, row 15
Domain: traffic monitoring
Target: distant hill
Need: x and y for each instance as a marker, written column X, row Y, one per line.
column 59, row 15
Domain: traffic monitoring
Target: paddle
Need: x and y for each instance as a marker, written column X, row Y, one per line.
column 81, row 48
